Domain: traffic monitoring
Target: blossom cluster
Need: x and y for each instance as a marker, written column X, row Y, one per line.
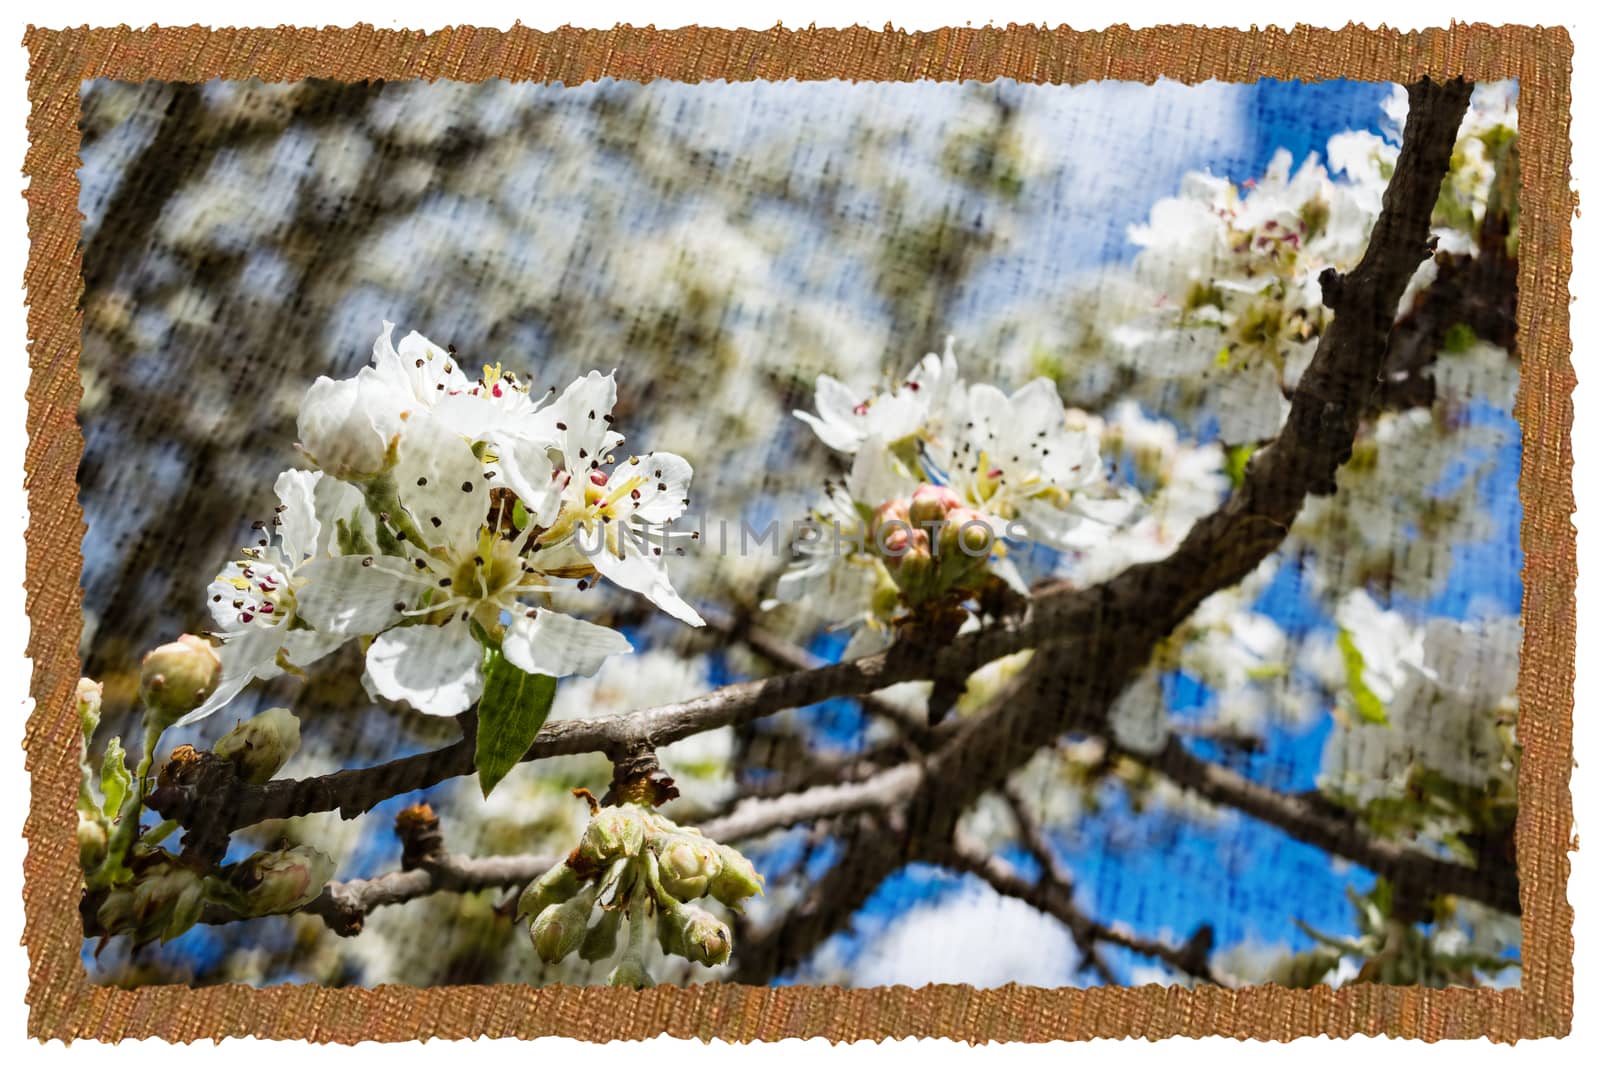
column 633, row 862
column 444, row 512
column 1438, row 698
column 945, row 478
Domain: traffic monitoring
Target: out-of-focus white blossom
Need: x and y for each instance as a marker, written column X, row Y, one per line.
column 1447, row 694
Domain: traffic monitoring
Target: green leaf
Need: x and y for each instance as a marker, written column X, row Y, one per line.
column 514, row 706
column 1458, row 338
column 1237, row 460
column 1368, row 706
column 115, row 780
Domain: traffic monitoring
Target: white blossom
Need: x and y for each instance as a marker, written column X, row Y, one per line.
column 254, row 601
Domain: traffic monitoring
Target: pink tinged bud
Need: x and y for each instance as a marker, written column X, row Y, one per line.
column 260, row 746
column 897, row 512
column 968, row 534
column 274, row 882
column 931, row 503
column 897, row 542
column 176, row 678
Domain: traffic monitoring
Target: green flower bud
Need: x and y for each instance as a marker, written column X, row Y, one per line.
column 176, row 678
column 259, row 746
column 163, row 903
column 688, row 865
column 116, row 911
column 705, row 938
column 91, row 842
column 274, row 882
column 693, row 933
column 560, row 928
column 89, row 694
column 669, row 931
column 552, row 887
column 737, row 879
column 601, row 940
column 612, row 832
column 630, row 972
column 930, row 504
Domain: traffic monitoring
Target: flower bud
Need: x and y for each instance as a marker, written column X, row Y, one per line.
column 89, row 694
column 889, row 517
column 630, row 973
column 966, row 535
column 737, row 879
column 177, row 678
column 116, row 911
column 163, row 903
column 931, row 503
column 914, row 569
column 344, row 426
column 612, row 832
column 687, row 867
column 259, row 746
column 275, row 882
column 560, row 928
column 601, row 940
column 552, row 887
column 91, row 842
column 705, row 938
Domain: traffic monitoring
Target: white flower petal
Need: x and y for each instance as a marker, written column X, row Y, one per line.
column 559, row 645
column 436, row 669
column 665, row 487
column 577, row 419
column 836, row 402
column 441, row 483
column 525, row 465
column 337, row 502
column 304, row 647
column 837, row 437
column 246, row 656
column 347, row 596
column 298, row 528
column 876, row 476
column 636, row 567
column 345, row 426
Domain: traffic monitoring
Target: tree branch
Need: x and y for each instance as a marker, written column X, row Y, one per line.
column 344, row 906
column 1315, row 824
column 1054, row 898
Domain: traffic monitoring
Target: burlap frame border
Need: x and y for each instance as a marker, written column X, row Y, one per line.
column 65, row 1004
